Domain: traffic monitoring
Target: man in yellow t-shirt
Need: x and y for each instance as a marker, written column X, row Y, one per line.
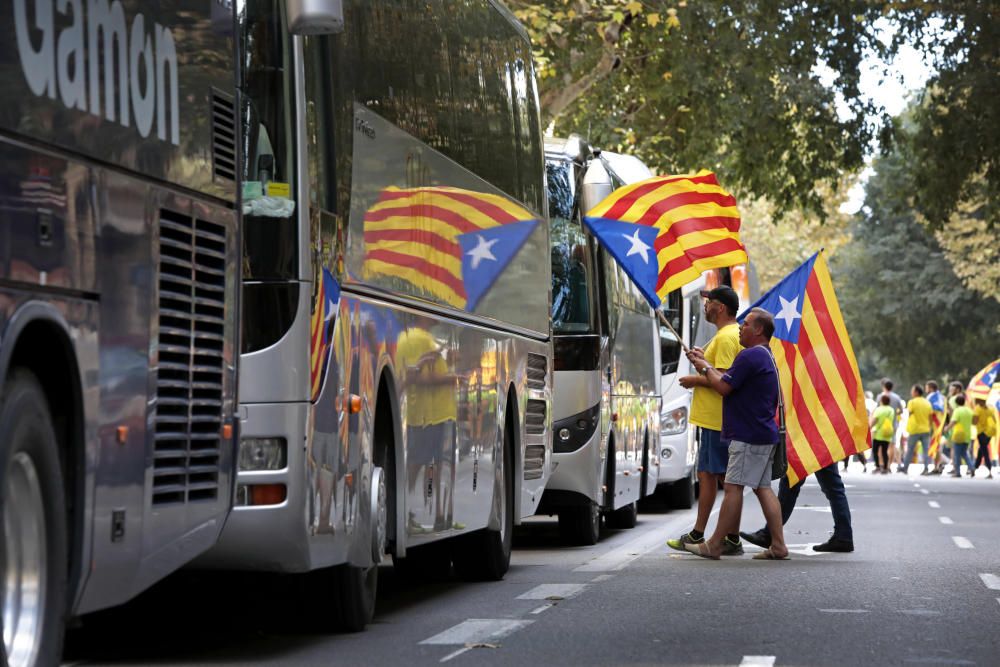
column 986, row 428
column 721, row 306
column 918, row 428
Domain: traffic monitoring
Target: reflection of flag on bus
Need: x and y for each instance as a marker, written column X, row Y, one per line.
column 824, row 400
column 666, row 230
column 448, row 242
column 323, row 316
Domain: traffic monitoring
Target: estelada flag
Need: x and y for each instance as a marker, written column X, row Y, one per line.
column 825, row 413
column 982, row 382
column 448, row 243
column 666, row 230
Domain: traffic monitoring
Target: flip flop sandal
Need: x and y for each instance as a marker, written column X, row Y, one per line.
column 767, row 554
column 696, row 550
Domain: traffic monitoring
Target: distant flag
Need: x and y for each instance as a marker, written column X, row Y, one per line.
column 449, row 243
column 982, row 382
column 938, row 420
column 323, row 317
column 825, row 410
column 666, row 230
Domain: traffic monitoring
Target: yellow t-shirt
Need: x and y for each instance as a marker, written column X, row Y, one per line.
column 706, row 404
column 920, row 416
column 428, row 402
column 985, row 422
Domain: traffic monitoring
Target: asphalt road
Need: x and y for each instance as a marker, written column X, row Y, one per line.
column 922, row 588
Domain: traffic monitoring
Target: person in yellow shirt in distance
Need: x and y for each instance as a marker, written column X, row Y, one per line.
column 918, row 426
column 986, row 428
column 960, row 433
column 882, row 432
column 721, row 306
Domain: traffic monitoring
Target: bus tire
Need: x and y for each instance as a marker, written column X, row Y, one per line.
column 33, row 507
column 355, row 590
column 581, row 525
column 682, row 494
column 485, row 554
column 623, row 517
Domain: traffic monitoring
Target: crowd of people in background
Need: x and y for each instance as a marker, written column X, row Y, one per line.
column 942, row 431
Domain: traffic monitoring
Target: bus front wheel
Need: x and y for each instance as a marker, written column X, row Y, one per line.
column 32, row 503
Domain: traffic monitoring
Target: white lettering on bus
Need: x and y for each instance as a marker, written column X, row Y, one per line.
column 146, row 65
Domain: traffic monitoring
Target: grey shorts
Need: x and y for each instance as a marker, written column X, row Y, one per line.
column 749, row 465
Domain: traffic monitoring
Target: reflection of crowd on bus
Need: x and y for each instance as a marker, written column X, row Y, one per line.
column 944, row 431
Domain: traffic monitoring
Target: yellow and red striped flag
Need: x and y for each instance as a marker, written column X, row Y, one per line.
column 666, row 230
column 825, row 411
column 448, row 243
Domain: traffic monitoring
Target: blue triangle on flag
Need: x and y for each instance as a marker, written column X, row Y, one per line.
column 486, row 253
column 785, row 301
column 632, row 246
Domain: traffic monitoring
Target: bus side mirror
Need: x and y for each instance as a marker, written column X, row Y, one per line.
column 315, row 17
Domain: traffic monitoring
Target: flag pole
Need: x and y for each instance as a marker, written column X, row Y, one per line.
column 680, row 340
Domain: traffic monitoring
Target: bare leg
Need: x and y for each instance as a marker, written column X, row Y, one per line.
column 729, row 518
column 707, row 488
column 772, row 513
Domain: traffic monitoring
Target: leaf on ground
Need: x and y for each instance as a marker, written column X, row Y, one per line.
column 481, row 645
column 555, row 598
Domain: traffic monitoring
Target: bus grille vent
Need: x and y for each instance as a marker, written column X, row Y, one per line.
column 534, row 461
column 223, row 136
column 189, row 360
column 534, row 417
column 538, row 371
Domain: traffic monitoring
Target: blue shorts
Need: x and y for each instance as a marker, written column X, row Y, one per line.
column 713, row 451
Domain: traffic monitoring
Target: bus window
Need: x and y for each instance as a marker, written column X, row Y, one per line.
column 571, row 269
column 670, row 347
column 270, row 238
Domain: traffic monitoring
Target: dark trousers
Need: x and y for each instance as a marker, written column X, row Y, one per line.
column 880, row 451
column 833, row 488
column 983, row 453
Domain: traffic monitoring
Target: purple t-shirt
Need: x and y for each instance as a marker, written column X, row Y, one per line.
column 748, row 411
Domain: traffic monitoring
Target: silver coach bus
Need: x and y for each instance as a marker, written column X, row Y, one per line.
column 606, row 417
column 395, row 371
column 118, row 303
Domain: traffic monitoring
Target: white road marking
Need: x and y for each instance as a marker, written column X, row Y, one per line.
column 934, row 504
column 603, row 577
column 925, row 492
column 618, row 558
column 844, row 611
column 992, row 581
column 477, row 630
column 919, row 612
column 757, row 661
column 546, row 591
column 962, row 543
column 539, row 610
column 945, row 520
column 455, row 654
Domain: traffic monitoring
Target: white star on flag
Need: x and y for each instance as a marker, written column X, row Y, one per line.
column 638, row 247
column 482, row 251
column 788, row 312
column 329, row 310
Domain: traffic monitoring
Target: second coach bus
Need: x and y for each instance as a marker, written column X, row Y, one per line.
column 606, row 417
column 395, row 372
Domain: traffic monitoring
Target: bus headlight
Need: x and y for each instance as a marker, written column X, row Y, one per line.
column 674, row 422
column 263, row 453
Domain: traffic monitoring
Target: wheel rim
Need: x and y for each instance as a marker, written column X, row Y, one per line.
column 23, row 564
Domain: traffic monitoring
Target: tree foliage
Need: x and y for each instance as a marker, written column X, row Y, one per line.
column 908, row 313
column 734, row 86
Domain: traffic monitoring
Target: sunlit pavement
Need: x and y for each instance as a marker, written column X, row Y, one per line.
column 922, row 587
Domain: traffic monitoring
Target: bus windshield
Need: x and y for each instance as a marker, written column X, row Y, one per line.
column 270, row 237
column 571, row 266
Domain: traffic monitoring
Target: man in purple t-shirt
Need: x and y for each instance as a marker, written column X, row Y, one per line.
column 749, row 401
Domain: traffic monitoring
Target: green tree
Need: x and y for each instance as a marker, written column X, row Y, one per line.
column 908, row 313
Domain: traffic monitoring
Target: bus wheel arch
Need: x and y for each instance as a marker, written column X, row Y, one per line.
column 485, row 554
